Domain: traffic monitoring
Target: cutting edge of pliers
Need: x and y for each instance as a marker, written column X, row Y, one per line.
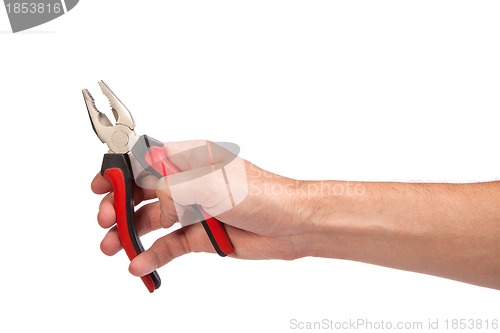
column 120, row 137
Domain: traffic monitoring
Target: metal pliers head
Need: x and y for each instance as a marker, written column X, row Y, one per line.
column 120, row 137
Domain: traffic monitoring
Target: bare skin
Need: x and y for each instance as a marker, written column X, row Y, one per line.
column 446, row 230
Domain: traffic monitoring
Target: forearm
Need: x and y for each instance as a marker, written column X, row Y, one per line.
column 448, row 230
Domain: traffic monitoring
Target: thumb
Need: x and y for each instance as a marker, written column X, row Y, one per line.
column 185, row 189
column 216, row 191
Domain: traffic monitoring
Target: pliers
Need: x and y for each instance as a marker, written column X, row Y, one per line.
column 116, row 167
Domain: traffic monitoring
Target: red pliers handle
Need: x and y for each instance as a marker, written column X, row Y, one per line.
column 116, row 167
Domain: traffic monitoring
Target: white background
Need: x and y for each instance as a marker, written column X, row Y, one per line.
column 357, row 90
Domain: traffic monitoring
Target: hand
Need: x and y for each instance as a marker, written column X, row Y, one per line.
column 260, row 213
column 447, row 230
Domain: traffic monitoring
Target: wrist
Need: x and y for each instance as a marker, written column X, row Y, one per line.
column 334, row 216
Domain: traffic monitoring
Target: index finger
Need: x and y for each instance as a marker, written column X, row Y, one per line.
column 100, row 185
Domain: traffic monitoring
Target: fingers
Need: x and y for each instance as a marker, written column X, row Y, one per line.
column 147, row 219
column 110, row 244
column 161, row 252
column 101, row 185
column 169, row 247
column 106, row 216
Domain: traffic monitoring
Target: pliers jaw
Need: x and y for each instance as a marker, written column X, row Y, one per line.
column 120, row 137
